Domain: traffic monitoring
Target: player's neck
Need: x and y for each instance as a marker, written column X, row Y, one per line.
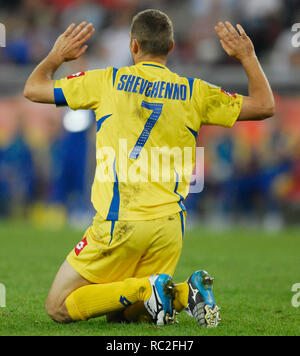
column 158, row 60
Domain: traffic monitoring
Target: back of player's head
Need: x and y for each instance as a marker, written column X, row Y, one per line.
column 154, row 32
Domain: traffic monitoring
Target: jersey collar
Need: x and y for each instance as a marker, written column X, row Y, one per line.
column 152, row 64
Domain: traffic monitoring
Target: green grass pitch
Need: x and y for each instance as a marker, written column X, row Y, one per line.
column 254, row 273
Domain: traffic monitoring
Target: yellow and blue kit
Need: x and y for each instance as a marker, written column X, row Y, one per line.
column 138, row 109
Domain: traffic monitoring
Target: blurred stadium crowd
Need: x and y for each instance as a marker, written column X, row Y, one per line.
column 47, row 159
column 33, row 25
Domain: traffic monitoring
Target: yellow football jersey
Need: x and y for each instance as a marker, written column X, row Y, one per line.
column 148, row 119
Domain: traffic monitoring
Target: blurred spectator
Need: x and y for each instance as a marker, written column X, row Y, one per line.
column 83, row 10
column 113, row 44
column 16, row 166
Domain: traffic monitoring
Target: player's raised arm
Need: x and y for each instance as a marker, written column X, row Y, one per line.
column 69, row 46
column 259, row 104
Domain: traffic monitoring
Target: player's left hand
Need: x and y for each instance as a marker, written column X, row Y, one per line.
column 71, row 44
column 235, row 43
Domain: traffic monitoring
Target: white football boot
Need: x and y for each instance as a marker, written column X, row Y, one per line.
column 160, row 304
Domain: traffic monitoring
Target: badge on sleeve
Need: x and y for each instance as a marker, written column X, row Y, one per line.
column 229, row 94
column 76, row 75
column 80, row 246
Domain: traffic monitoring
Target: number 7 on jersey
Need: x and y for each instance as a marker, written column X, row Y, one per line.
column 156, row 112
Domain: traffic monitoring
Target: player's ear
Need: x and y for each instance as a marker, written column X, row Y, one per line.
column 134, row 45
column 172, row 47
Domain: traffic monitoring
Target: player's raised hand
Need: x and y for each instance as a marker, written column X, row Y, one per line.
column 71, row 44
column 235, row 43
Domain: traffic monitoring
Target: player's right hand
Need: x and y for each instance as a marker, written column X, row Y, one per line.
column 235, row 43
column 71, row 44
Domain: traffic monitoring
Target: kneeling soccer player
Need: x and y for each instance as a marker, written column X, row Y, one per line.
column 122, row 267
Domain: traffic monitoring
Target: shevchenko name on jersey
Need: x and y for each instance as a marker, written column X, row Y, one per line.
column 148, row 119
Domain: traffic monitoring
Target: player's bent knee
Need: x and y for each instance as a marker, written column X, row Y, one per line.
column 58, row 313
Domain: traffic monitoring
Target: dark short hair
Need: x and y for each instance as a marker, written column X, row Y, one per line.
column 154, row 32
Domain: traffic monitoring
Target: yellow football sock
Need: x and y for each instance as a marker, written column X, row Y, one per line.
column 181, row 296
column 99, row 299
column 138, row 313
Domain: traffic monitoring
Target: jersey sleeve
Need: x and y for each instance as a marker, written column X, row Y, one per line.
column 81, row 90
column 216, row 106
